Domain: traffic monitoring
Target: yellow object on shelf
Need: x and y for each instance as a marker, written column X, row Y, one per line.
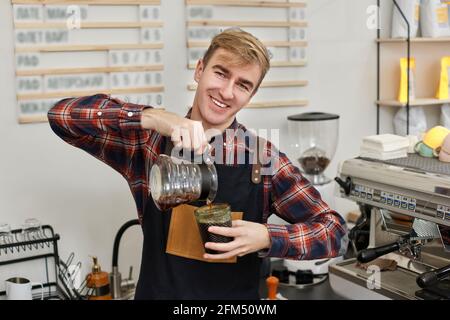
column 442, row 14
column 403, row 92
column 444, row 84
column 434, row 137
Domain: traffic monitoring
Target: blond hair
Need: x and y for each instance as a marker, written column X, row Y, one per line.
column 246, row 47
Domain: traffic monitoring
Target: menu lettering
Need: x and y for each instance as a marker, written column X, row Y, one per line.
column 75, row 82
column 27, row 60
column 37, row 37
column 27, row 13
column 29, row 84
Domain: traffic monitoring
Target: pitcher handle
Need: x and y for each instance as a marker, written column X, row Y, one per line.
column 42, row 288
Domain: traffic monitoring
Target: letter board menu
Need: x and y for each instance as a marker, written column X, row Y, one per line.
column 280, row 24
column 71, row 48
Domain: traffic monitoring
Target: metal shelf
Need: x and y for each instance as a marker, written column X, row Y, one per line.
column 416, row 102
column 408, row 59
column 408, row 41
column 413, row 40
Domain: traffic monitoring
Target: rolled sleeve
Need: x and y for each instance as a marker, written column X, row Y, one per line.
column 105, row 113
column 130, row 116
column 279, row 241
column 278, row 244
column 314, row 231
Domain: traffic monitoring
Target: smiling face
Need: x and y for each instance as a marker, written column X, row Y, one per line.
column 225, row 85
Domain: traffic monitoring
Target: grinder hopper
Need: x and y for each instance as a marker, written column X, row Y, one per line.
column 314, row 137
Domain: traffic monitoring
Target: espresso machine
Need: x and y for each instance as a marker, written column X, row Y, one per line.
column 313, row 138
column 405, row 211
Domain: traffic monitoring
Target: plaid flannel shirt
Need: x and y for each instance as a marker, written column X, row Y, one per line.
column 110, row 130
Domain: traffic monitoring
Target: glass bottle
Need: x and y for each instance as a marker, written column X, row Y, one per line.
column 31, row 229
column 5, row 233
column 174, row 182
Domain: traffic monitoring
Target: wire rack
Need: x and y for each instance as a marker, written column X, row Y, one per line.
column 20, row 246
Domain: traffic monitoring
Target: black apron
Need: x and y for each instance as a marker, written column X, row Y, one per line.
column 166, row 276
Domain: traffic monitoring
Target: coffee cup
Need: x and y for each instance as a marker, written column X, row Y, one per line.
column 424, row 150
column 213, row 215
column 19, row 288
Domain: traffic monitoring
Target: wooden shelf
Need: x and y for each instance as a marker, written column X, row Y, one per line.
column 243, row 23
column 274, row 64
column 277, row 104
column 64, row 94
column 288, row 64
column 23, row 119
column 92, row 2
column 89, row 25
column 247, row 3
column 55, row 71
column 413, row 40
column 205, row 44
column 416, row 102
column 89, row 47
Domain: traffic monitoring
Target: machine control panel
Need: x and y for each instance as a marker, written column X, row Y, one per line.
column 443, row 212
column 402, row 202
column 398, row 200
column 384, row 197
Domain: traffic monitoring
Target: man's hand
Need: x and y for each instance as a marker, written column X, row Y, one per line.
column 184, row 133
column 248, row 237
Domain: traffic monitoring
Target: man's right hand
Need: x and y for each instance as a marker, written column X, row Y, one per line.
column 185, row 133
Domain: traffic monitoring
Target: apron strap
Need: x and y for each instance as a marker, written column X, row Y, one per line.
column 256, row 164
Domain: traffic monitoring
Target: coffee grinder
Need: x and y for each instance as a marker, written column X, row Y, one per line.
column 313, row 140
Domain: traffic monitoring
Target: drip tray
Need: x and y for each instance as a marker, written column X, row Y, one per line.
column 399, row 284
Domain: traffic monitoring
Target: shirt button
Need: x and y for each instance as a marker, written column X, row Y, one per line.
column 130, row 114
column 99, row 113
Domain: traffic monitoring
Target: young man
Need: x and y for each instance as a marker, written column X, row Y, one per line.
column 129, row 138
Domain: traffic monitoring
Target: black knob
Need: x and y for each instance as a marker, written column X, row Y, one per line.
column 430, row 278
column 347, row 185
column 427, row 279
column 367, row 255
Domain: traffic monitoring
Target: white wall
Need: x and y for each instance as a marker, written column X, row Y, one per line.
column 86, row 201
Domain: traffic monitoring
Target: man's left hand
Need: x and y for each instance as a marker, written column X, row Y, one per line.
column 248, row 237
